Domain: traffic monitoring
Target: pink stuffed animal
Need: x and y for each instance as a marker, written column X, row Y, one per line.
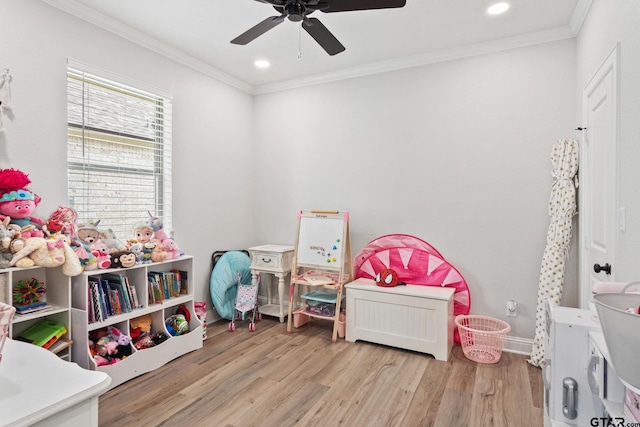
column 171, row 249
column 17, row 202
column 102, row 253
column 156, row 225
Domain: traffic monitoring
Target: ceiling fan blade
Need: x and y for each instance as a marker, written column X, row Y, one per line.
column 322, row 35
column 258, row 30
column 348, row 5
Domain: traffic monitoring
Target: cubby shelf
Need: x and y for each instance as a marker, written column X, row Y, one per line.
column 57, row 295
column 145, row 360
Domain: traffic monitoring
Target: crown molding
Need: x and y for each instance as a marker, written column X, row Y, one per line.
column 579, row 15
column 423, row 59
column 87, row 14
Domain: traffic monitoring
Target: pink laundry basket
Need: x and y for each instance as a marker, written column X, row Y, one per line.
column 6, row 314
column 482, row 337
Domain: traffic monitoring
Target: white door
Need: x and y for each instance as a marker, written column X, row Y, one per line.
column 598, row 175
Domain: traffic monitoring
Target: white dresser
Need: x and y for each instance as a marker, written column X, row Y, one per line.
column 275, row 260
column 412, row 317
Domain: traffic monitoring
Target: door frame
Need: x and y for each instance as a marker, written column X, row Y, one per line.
column 610, row 64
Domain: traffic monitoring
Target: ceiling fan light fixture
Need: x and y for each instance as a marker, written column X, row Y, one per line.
column 498, row 8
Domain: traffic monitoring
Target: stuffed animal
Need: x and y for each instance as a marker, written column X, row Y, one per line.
column 143, row 233
column 62, row 221
column 48, row 253
column 89, row 233
column 12, row 240
column 157, row 253
column 109, row 345
column 147, row 249
column 136, row 249
column 102, row 253
column 140, row 331
column 88, row 261
column 86, row 236
column 5, row 244
column 123, row 259
column 113, row 243
column 170, row 248
column 156, row 225
column 17, row 202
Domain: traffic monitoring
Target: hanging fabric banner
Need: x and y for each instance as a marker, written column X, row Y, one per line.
column 562, row 208
column 5, row 94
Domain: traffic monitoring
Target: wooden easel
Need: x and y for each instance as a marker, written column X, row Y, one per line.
column 322, row 258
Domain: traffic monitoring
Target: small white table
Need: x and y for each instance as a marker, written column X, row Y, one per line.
column 276, row 260
column 37, row 388
column 411, row 317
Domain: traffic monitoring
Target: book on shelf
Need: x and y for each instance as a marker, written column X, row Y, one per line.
column 60, row 345
column 33, row 308
column 114, row 299
column 134, row 294
column 27, row 307
column 156, row 291
column 183, row 281
column 170, row 282
column 117, row 283
column 97, row 305
column 43, row 333
column 104, row 295
column 4, row 284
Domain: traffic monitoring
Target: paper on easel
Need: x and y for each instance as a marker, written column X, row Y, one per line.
column 319, row 280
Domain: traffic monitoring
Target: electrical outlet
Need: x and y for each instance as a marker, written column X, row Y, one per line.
column 512, row 308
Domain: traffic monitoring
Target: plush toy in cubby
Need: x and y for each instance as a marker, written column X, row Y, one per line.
column 140, row 329
column 109, row 345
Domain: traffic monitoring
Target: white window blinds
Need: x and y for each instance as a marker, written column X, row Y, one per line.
column 119, row 153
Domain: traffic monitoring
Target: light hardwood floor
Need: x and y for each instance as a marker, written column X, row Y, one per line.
column 269, row 378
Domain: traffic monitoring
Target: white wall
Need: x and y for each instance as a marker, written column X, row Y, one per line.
column 212, row 142
column 608, row 23
column 456, row 153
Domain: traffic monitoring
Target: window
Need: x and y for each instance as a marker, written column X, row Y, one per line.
column 119, row 153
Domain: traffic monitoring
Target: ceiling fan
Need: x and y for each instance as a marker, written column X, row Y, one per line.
column 297, row 10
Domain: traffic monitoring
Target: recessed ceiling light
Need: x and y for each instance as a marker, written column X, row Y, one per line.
column 498, row 8
column 261, row 63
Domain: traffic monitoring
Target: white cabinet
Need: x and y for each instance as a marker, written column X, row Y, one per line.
column 275, row 260
column 603, row 380
column 568, row 399
column 57, row 295
column 144, row 360
column 411, row 317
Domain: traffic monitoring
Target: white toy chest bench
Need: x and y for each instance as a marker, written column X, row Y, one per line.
column 412, row 317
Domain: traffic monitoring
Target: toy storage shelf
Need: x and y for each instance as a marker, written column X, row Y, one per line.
column 58, row 295
column 144, row 360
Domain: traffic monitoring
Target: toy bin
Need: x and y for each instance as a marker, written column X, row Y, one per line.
column 620, row 324
column 482, row 337
column 320, row 303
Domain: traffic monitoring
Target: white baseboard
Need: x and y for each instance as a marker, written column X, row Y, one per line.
column 515, row 345
column 518, row 345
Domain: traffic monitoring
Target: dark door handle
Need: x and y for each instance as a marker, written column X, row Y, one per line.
column 598, row 268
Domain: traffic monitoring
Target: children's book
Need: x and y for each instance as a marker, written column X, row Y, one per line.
column 33, row 308
column 182, row 280
column 42, row 333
